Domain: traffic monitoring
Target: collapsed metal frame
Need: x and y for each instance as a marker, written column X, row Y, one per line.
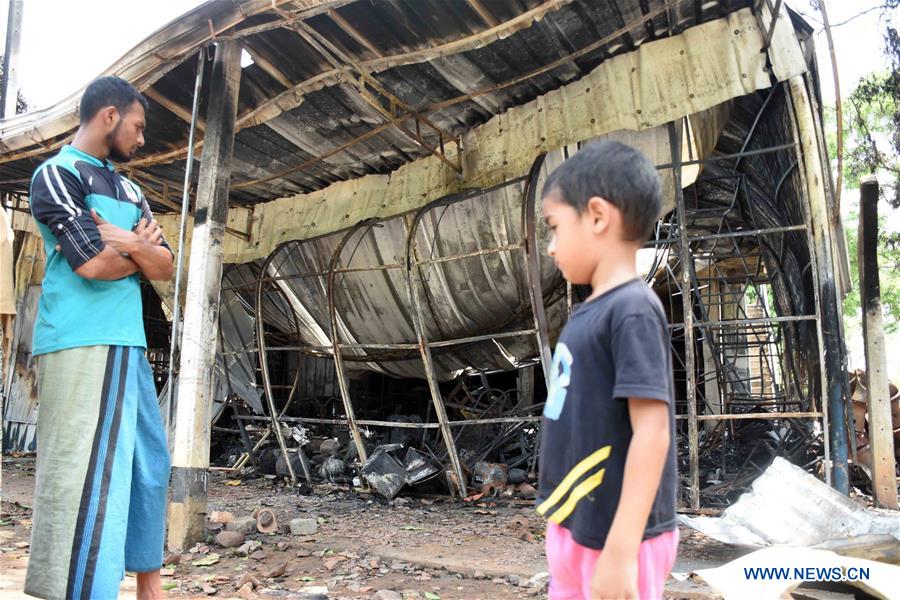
column 688, row 286
column 679, row 239
column 411, row 268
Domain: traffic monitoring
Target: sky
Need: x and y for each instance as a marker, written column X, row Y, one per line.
column 67, row 43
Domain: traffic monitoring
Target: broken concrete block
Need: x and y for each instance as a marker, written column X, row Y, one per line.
column 230, row 539
column 387, row 595
column 245, row 525
column 301, row 526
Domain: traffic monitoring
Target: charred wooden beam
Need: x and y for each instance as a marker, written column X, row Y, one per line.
column 353, row 32
column 483, row 12
column 190, row 459
column 268, row 66
column 881, row 434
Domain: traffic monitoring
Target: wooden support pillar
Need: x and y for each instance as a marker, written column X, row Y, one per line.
column 881, row 435
column 190, row 459
column 830, row 336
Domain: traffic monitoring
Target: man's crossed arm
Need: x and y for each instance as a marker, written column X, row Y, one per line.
column 127, row 252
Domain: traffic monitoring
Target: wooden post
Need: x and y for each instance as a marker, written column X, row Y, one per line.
column 833, row 374
column 9, row 88
column 881, row 435
column 195, row 385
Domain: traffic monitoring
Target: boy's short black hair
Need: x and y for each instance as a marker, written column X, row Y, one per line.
column 617, row 173
column 108, row 91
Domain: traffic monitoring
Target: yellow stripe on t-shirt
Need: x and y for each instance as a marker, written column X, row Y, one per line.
column 578, row 493
column 574, row 475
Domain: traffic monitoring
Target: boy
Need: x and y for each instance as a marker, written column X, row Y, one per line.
column 607, row 476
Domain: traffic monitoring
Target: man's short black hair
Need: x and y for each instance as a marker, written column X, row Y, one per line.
column 617, row 173
column 108, row 91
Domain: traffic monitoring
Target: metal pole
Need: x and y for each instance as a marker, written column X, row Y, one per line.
column 9, row 88
column 179, row 260
column 687, row 298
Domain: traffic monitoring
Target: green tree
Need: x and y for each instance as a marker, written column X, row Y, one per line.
column 871, row 126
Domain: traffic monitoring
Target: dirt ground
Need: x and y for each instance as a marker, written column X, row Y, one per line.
column 420, row 548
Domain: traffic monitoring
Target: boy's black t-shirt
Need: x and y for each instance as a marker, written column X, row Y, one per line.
column 614, row 347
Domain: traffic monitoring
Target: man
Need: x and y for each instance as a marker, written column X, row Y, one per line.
column 103, row 463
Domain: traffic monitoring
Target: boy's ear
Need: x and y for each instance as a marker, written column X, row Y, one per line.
column 599, row 211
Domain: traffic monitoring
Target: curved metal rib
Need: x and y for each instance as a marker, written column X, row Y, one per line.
column 365, row 225
column 533, row 266
column 412, row 281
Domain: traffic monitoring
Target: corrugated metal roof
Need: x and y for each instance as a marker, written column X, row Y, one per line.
column 429, row 55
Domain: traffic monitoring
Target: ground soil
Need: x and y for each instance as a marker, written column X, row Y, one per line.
column 421, row 547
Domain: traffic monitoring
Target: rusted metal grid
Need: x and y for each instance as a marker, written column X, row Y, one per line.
column 746, row 252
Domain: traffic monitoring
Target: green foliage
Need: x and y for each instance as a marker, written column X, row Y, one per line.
column 888, row 272
column 871, row 124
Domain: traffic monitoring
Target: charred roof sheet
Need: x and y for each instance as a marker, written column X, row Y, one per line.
column 302, row 120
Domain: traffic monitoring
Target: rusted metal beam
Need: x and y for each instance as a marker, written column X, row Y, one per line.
column 264, row 369
column 557, row 63
column 364, row 82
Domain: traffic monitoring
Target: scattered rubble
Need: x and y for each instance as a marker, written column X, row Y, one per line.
column 245, row 525
column 304, row 526
column 230, row 539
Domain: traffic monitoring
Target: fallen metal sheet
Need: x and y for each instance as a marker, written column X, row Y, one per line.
column 786, row 505
column 419, row 466
column 389, row 469
column 384, row 473
column 790, row 567
column 20, row 408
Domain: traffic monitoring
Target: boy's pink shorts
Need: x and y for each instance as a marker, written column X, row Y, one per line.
column 572, row 565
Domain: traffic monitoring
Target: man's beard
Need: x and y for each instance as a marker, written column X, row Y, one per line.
column 114, row 153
